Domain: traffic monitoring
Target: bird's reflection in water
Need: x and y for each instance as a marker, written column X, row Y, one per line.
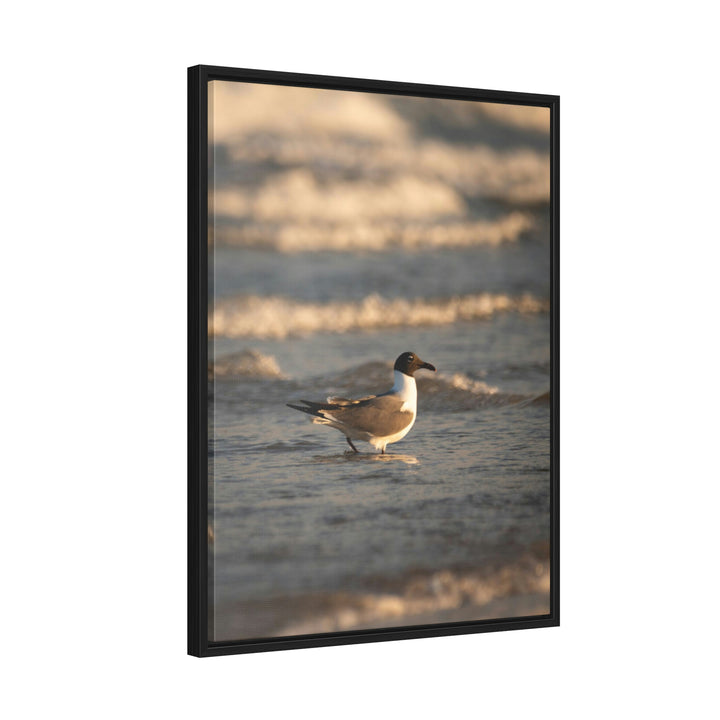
column 350, row 456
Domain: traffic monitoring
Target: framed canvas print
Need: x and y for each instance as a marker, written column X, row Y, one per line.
column 373, row 360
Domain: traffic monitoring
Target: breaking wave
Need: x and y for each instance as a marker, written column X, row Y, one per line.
column 246, row 109
column 353, row 170
column 445, row 596
column 460, row 392
column 297, row 195
column 441, row 392
column 279, row 317
column 373, row 234
column 245, row 364
column 375, row 374
column 520, row 175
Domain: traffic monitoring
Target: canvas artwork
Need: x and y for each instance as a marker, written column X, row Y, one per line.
column 379, row 362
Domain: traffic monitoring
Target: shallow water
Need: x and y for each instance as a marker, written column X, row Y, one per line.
column 315, row 294
column 299, row 515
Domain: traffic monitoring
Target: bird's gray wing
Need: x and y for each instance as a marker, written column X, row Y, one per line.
column 380, row 416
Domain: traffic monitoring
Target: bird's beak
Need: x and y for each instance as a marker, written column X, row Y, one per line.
column 428, row 366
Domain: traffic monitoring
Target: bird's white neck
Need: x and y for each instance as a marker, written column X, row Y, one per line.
column 406, row 389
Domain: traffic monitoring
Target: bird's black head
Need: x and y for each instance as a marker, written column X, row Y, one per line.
column 409, row 362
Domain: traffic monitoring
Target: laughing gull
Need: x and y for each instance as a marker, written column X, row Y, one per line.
column 377, row 419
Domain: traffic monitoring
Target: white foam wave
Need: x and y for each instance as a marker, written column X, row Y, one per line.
column 297, row 195
column 349, row 171
column 431, row 598
column 241, row 109
column 374, row 235
column 248, row 363
column 519, row 175
column 460, row 381
column 459, row 392
column 279, row 317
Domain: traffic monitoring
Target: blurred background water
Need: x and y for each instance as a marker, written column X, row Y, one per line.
column 345, row 229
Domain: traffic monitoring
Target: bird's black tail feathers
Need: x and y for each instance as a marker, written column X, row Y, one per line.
column 312, row 409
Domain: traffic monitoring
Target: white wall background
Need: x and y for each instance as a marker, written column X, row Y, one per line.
column 93, row 361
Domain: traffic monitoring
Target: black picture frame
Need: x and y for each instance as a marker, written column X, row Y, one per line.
column 197, row 388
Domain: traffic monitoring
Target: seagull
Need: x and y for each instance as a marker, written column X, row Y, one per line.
column 377, row 419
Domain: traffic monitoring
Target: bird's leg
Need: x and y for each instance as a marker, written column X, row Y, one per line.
column 350, row 443
column 383, row 451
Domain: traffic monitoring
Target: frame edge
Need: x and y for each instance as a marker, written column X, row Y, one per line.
column 197, row 361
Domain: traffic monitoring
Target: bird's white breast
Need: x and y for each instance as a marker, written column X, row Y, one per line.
column 406, row 390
